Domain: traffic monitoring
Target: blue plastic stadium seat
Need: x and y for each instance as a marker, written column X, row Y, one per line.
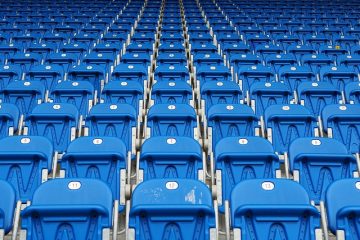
column 285, row 123
column 242, row 60
column 230, row 120
column 200, row 41
column 273, row 208
column 350, row 61
column 56, row 121
column 172, row 93
column 171, row 38
column 118, row 92
column 342, row 122
column 172, row 120
column 256, row 40
column 91, row 73
column 316, row 41
column 25, row 95
column 250, row 74
column 140, row 48
column 110, row 48
column 264, row 94
column 352, row 93
column 55, row 38
column 345, row 41
column 76, row 49
column 88, row 40
column 79, row 94
column 102, row 158
column 7, row 206
column 264, row 50
column 136, row 58
column 342, row 205
column 180, row 208
column 279, row 60
column 25, row 60
column 172, row 73
column 333, row 51
column 103, row 60
column 300, row 50
column 131, row 72
column 42, row 48
column 77, row 208
column 113, row 120
column 10, row 117
column 202, row 47
column 23, row 40
column 316, row 62
column 216, row 92
column 287, row 40
column 317, row 162
column 338, row 76
column 238, row 159
column 115, row 38
column 293, row 76
column 171, row 157
column 210, row 59
column 212, row 73
column 172, row 47
column 316, row 95
column 62, row 60
column 171, row 59
column 48, row 75
column 231, row 49
column 25, row 162
column 232, row 38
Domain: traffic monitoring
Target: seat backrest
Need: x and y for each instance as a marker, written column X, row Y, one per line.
column 8, row 74
column 7, row 206
column 315, row 62
column 56, row 121
column 230, row 120
column 172, row 120
column 102, row 158
column 62, row 60
column 179, row 208
column 172, row 93
column 9, row 119
column 212, row 73
column 118, row 92
column 78, row 208
column 91, row 73
column 220, row 92
column 338, row 76
column 26, row 95
column 352, row 92
column 272, row 208
column 171, row 73
column 285, row 123
column 342, row 205
column 113, row 120
column 257, row 73
column 25, row 60
column 319, row 162
column 242, row 158
column 171, row 157
column 79, row 93
column 342, row 122
column 264, row 94
column 316, row 95
column 47, row 74
column 130, row 72
column 25, row 162
column 293, row 76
